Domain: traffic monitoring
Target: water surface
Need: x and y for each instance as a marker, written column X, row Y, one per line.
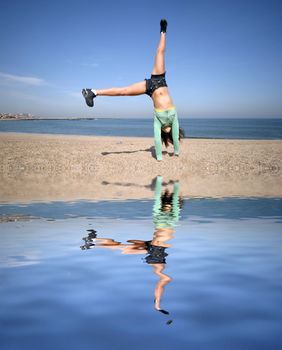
column 229, row 128
column 219, row 275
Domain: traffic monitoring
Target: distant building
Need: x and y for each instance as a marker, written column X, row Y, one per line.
column 7, row 116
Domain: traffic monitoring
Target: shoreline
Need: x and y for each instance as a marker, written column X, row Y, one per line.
column 134, row 137
column 49, row 167
column 137, row 137
column 273, row 117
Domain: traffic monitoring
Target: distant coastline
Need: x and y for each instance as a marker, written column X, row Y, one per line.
column 16, row 116
column 28, row 116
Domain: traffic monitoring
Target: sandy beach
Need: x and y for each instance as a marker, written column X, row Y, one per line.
column 41, row 167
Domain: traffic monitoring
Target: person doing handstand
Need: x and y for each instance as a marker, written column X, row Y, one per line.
column 166, row 126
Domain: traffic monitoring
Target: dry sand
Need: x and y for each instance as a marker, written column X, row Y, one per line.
column 59, row 167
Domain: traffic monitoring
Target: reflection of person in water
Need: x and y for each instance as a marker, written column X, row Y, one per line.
column 166, row 212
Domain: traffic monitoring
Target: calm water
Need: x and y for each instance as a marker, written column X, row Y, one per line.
column 207, row 128
column 214, row 267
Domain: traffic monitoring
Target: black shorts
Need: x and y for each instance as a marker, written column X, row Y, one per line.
column 156, row 254
column 156, row 81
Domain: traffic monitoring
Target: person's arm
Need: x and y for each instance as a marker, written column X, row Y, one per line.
column 158, row 192
column 175, row 135
column 157, row 138
column 175, row 201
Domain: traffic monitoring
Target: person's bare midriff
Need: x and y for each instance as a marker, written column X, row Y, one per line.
column 162, row 99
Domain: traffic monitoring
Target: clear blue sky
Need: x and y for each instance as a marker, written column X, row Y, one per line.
column 224, row 57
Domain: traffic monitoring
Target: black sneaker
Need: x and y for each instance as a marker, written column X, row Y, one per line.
column 163, row 25
column 89, row 96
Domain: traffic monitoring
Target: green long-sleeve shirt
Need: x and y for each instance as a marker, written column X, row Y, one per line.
column 167, row 117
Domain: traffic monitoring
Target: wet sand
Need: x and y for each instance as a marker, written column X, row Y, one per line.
column 41, row 167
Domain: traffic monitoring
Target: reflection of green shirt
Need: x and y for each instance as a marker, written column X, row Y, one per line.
column 165, row 219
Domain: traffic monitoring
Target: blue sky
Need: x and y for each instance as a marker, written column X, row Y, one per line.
column 224, row 57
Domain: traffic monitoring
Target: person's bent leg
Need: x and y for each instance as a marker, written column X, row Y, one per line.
column 157, row 138
column 175, row 134
column 132, row 90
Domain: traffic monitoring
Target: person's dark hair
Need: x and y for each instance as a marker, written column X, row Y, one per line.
column 167, row 136
column 166, row 199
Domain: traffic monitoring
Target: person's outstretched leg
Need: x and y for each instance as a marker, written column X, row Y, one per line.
column 132, row 90
column 159, row 64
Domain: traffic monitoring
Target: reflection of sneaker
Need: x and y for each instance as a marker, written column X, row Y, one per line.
column 92, row 234
column 89, row 96
column 163, row 25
